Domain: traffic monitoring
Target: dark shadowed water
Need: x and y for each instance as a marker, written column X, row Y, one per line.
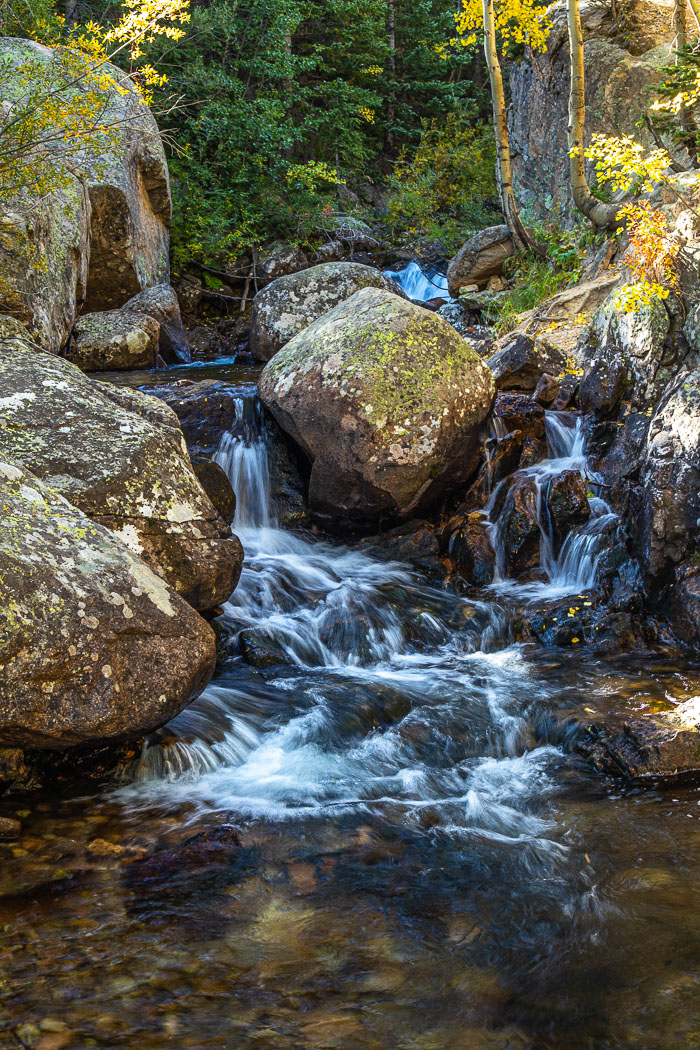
column 423, row 864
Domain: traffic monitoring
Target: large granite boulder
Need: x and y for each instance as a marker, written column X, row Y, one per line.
column 101, row 234
column 119, row 456
column 161, row 303
column 44, row 239
column 481, row 257
column 114, row 340
column 131, row 209
column 94, row 645
column 289, row 305
column 386, row 401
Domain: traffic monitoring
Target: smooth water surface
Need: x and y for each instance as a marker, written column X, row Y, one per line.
column 423, row 864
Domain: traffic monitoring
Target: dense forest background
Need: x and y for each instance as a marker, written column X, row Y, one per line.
column 279, row 115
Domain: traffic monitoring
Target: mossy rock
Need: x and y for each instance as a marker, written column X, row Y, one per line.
column 386, row 402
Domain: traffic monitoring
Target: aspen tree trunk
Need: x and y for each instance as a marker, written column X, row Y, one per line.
column 521, row 240
column 598, row 212
column 680, row 25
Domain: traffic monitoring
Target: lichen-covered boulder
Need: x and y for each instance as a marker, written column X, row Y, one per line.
column 161, row 303
column 119, row 456
column 94, row 646
column 280, row 258
column 481, row 257
column 290, row 304
column 386, row 401
column 520, row 360
column 130, row 207
column 114, row 340
column 102, row 234
column 44, row 241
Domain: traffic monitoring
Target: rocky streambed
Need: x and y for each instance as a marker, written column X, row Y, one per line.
column 393, row 818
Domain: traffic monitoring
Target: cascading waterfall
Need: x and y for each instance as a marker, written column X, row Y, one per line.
column 575, row 567
column 377, row 674
column 243, row 455
column 419, row 285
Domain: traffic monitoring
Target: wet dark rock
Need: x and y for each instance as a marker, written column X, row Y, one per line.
column 568, row 387
column 386, row 402
column 217, row 850
column 415, row 543
column 471, row 551
column 520, row 361
column 518, row 412
column 206, row 411
column 433, row 304
column 664, row 745
column 670, row 525
column 482, row 256
column 534, row 451
column 288, row 486
column 603, row 384
column 683, row 601
column 620, row 465
column 259, row 650
column 518, row 526
column 547, row 390
column 584, row 620
column 463, row 320
column 13, row 769
column 567, row 504
column 214, row 480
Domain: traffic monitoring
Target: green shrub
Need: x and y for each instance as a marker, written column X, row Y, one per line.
column 448, row 188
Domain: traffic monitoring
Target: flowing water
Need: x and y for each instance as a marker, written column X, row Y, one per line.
column 424, row 863
column 420, row 283
column 574, row 568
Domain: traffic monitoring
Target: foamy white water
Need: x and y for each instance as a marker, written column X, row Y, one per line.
column 388, row 696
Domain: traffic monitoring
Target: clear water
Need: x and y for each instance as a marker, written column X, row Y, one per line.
column 424, row 864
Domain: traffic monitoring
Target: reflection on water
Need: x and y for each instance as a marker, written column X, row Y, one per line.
column 420, row 862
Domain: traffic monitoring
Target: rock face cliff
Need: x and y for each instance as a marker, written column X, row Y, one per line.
column 622, row 68
column 98, row 238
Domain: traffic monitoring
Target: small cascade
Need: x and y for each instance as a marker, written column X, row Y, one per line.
column 243, row 454
column 574, row 568
column 419, row 285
